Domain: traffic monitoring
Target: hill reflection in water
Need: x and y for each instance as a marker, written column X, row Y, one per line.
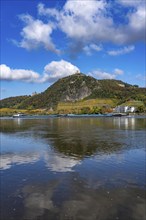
column 73, row 168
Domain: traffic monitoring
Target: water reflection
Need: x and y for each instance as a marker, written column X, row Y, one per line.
column 77, row 201
column 56, row 163
column 8, row 160
column 77, row 138
column 60, row 163
column 19, row 124
column 18, row 121
column 73, row 168
column 81, row 137
column 126, row 122
column 38, row 200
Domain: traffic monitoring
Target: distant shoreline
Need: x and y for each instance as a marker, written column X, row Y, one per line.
column 73, row 115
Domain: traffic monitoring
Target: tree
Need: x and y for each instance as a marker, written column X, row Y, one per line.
column 140, row 109
column 85, row 110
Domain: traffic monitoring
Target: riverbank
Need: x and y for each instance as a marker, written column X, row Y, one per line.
column 36, row 113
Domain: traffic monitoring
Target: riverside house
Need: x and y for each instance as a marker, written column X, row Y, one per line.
column 125, row 109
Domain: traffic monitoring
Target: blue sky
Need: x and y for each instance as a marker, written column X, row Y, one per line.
column 42, row 41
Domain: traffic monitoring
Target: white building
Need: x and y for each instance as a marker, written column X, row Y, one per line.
column 124, row 109
column 131, row 109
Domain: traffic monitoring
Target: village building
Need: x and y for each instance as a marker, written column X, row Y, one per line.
column 124, row 109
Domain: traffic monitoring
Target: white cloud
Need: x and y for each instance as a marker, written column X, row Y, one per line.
column 52, row 72
column 94, row 23
column 131, row 2
column 50, row 12
column 118, row 71
column 58, row 69
column 137, row 20
column 121, row 51
column 89, row 49
column 100, row 74
column 89, row 24
column 83, row 24
column 141, row 77
column 36, row 34
column 6, row 73
column 135, row 30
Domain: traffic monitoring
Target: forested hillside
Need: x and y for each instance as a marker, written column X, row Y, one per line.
column 75, row 88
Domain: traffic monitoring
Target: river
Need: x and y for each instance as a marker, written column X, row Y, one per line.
column 88, row 168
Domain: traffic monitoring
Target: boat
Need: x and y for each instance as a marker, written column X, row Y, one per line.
column 19, row 115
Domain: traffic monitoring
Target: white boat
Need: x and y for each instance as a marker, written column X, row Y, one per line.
column 19, row 115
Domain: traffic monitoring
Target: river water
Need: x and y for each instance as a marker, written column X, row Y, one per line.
column 88, row 168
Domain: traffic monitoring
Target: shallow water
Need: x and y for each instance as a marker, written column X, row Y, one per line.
column 73, row 168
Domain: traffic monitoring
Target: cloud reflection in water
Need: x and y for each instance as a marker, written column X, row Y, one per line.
column 56, row 163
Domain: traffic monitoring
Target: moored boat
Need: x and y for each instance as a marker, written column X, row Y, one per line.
column 19, row 115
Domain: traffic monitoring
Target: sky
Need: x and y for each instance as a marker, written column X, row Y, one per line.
column 42, row 41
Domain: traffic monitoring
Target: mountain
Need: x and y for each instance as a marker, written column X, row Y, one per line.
column 12, row 101
column 75, row 88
